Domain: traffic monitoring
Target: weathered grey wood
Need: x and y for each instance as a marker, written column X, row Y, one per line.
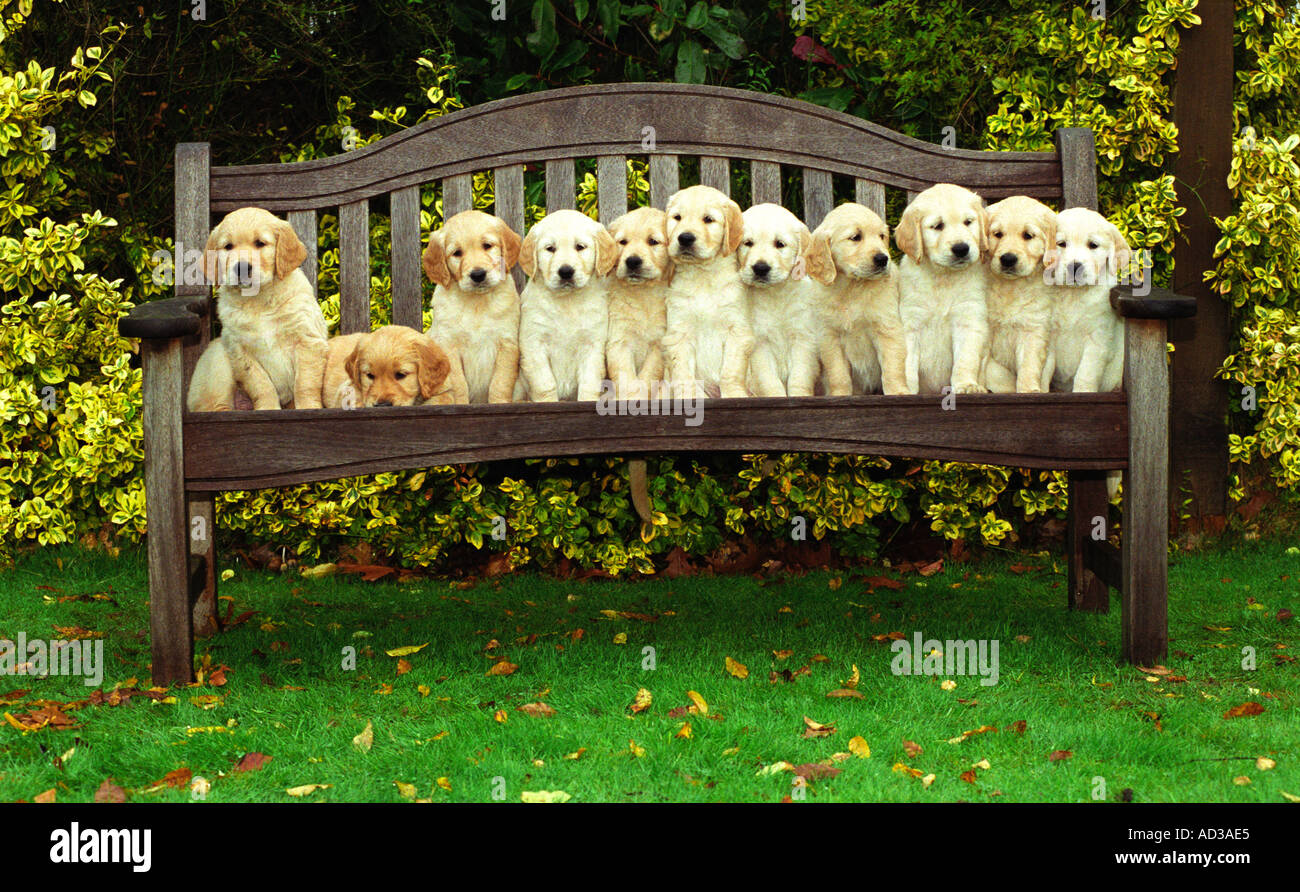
column 202, row 531
column 560, row 185
column 611, row 187
column 354, row 267
column 304, row 225
column 870, row 195
column 1146, row 499
column 1106, row 562
column 818, row 197
column 911, row 195
column 1056, row 430
column 1086, row 516
column 1078, row 167
column 582, row 121
column 765, row 182
column 163, row 396
column 1159, row 303
column 407, row 275
column 716, row 172
column 663, row 179
column 457, row 195
column 508, row 187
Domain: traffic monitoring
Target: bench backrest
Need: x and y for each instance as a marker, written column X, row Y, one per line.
column 609, row 123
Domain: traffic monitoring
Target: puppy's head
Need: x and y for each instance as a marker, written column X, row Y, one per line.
column 1021, row 230
column 702, row 224
column 945, row 225
column 250, row 247
column 774, row 246
column 397, row 366
column 473, row 251
column 1089, row 249
column 852, row 241
column 642, row 239
column 566, row 250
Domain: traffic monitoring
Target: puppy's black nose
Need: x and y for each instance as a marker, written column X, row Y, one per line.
column 961, row 249
column 686, row 239
column 566, row 272
column 478, row 274
column 1076, row 272
column 881, row 260
column 633, row 262
column 244, row 271
column 1008, row 260
column 761, row 269
column 384, row 403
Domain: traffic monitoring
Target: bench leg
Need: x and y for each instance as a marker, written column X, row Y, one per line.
column 168, row 528
column 1146, row 493
column 1088, row 502
column 203, row 557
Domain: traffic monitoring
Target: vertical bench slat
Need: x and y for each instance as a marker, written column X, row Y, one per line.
column 870, row 194
column 404, row 210
column 1078, row 152
column 765, row 182
column 818, row 196
column 508, row 187
column 304, row 224
column 560, row 185
column 911, row 195
column 716, row 172
column 457, row 195
column 663, row 179
column 611, row 187
column 354, row 267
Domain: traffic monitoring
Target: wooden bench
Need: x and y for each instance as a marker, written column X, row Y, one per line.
column 190, row 456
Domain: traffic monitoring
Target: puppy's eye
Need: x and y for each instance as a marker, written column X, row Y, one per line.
column 1092, row 246
column 398, row 376
column 457, row 252
column 623, row 241
column 551, row 248
column 996, row 234
column 258, row 243
column 969, row 221
column 579, row 247
column 487, row 246
column 749, row 243
column 1029, row 236
column 1060, row 244
column 677, row 217
column 856, row 237
column 370, row 375
column 651, row 242
column 708, row 219
column 938, row 226
column 779, row 244
column 229, row 246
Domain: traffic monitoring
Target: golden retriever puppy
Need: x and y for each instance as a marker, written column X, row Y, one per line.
column 272, row 344
column 475, row 307
column 1087, row 335
column 943, row 290
column 773, row 263
column 855, row 288
column 390, row 366
column 709, row 337
column 1021, row 230
column 564, row 308
column 638, row 303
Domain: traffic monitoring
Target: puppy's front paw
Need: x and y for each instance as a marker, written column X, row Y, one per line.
column 968, row 387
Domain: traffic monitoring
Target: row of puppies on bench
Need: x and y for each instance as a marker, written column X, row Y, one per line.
column 1012, row 297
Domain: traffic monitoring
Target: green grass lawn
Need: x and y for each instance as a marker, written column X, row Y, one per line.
column 456, row 733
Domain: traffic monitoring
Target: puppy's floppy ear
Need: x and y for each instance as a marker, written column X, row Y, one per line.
column 1047, row 222
column 434, row 366
column 820, row 262
column 290, row 252
column 982, row 215
column 434, row 261
column 606, row 252
column 353, row 367
column 528, row 252
column 510, row 241
column 734, row 229
column 212, row 256
column 908, row 234
column 1121, row 255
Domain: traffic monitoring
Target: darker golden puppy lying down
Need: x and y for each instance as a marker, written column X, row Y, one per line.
column 390, row 366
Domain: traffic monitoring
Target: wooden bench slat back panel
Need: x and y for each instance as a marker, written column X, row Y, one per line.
column 404, row 205
column 818, row 197
column 870, row 194
column 457, row 195
column 611, row 187
column 663, row 179
column 716, row 172
column 560, row 186
column 1078, row 152
column 765, row 182
column 193, row 164
column 508, row 187
column 354, row 267
column 304, row 225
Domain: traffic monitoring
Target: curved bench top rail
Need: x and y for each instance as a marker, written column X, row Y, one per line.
column 1047, row 431
column 609, row 119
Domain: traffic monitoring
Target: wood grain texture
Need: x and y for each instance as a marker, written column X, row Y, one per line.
column 457, row 195
column 1144, row 627
column 1106, row 562
column 1087, row 495
column 407, row 274
column 561, row 186
column 870, row 195
column 606, row 119
column 354, row 267
column 716, row 172
column 764, row 182
column 663, row 179
column 1078, row 154
column 1084, row 431
column 304, row 226
column 203, row 559
column 611, row 187
column 163, row 396
column 818, row 198
column 192, row 175
column 508, row 183
column 1160, row 303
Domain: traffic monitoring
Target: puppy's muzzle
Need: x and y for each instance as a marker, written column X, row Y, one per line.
column 1008, row 261
column 761, row 270
column 565, row 273
column 961, row 250
column 633, row 263
column 880, row 261
column 478, row 275
column 243, row 271
column 686, row 244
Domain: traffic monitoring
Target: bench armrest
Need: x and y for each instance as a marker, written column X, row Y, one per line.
column 174, row 317
column 1158, row 303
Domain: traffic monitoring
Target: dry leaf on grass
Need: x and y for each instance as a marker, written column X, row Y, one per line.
column 1249, row 708
column 307, row 789
column 817, row 729
column 546, row 796
column 1059, row 755
column 110, row 792
column 912, row 749
column 365, row 739
column 858, row 747
column 504, row 667
column 539, row 709
column 252, row 762
column 642, row 701
column 736, row 668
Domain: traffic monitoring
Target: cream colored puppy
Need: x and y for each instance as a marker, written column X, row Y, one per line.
column 638, row 302
column 475, row 318
column 773, row 263
column 273, row 336
column 855, row 287
column 1087, row 335
column 564, row 308
column 709, row 337
column 943, row 290
column 390, row 366
column 1021, row 230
